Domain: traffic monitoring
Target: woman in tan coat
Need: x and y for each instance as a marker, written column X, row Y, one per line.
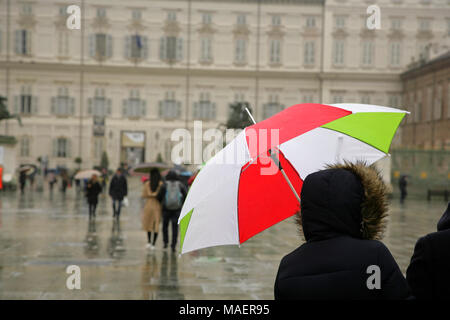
column 151, row 215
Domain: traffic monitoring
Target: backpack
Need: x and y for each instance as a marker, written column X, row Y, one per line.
column 174, row 198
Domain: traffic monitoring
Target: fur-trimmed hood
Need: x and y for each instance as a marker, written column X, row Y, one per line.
column 344, row 199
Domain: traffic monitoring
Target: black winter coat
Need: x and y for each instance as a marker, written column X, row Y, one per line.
column 93, row 189
column 339, row 223
column 118, row 188
column 428, row 274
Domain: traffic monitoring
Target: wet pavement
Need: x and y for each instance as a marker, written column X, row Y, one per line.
column 42, row 233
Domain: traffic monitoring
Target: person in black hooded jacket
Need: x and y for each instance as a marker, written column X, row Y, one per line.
column 343, row 213
column 428, row 273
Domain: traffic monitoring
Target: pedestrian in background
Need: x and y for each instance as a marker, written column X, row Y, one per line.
column 343, row 214
column 64, row 181
column 93, row 189
column 174, row 196
column 118, row 190
column 22, row 180
column 51, row 180
column 151, row 214
column 402, row 184
column 1, row 177
column 428, row 274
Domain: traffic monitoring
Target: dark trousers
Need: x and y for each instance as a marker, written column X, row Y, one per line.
column 403, row 194
column 170, row 216
column 117, row 204
column 92, row 207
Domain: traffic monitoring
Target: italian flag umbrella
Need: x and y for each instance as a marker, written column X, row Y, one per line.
column 254, row 182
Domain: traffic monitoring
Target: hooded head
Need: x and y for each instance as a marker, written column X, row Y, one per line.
column 345, row 199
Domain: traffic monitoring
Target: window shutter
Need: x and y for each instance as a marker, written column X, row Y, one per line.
column 16, row 104
column 144, row 50
column 72, row 106
column 34, row 105
column 143, row 108
column 53, row 106
column 109, row 46
column 178, row 109
column 18, row 42
column 179, row 49
column 55, row 147
column 125, row 108
column 92, row 45
column 89, row 110
column 161, row 109
column 163, row 48
column 28, row 42
column 213, row 111
column 127, row 47
column 68, row 148
column 108, row 107
column 196, row 110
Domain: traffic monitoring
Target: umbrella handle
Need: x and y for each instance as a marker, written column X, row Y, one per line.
column 278, row 163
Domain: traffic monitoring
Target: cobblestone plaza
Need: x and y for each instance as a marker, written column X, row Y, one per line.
column 42, row 233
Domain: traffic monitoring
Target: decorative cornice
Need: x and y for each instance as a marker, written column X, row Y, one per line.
column 181, row 71
column 172, row 28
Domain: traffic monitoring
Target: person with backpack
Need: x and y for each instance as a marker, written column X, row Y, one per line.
column 175, row 193
column 151, row 215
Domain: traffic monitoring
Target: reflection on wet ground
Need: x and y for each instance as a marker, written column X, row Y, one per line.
column 42, row 233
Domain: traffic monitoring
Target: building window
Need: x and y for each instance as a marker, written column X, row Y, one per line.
column 365, row 98
column 171, row 16
column 206, row 49
column 171, row 49
column 204, row 109
column 62, row 104
column 101, row 13
column 275, row 51
column 337, row 98
column 272, row 107
column 424, row 24
column 61, row 147
column 395, row 53
column 23, row 42
column 240, row 55
column 100, row 46
column 338, row 51
column 99, row 106
column 308, row 98
column 134, row 106
column 25, row 147
column 396, row 24
column 27, row 9
column 26, row 100
column 169, row 108
column 241, row 19
column 394, row 100
column 309, row 53
column 206, row 18
column 136, row 47
column 276, row 20
column 310, row 22
column 367, row 53
column 239, row 97
column 136, row 14
column 339, row 22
